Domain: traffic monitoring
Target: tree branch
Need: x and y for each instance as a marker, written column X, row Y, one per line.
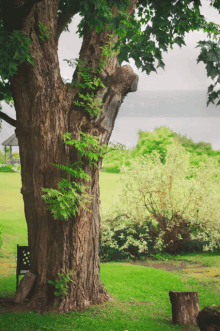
column 13, row 17
column 8, row 119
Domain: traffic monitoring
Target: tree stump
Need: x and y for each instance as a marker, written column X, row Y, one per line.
column 208, row 319
column 185, row 307
column 24, row 288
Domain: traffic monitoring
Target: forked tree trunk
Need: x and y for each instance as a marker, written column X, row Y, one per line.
column 45, row 111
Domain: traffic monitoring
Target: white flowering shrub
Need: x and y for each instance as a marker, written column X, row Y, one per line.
column 123, row 237
column 164, row 205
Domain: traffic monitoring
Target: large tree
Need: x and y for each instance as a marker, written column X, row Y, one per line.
column 47, row 108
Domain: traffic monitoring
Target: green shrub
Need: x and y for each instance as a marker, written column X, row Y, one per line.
column 7, row 168
column 122, row 240
column 108, row 254
column 123, row 237
column 113, row 167
column 162, row 206
column 127, row 163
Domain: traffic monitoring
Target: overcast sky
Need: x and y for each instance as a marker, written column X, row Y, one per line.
column 181, row 73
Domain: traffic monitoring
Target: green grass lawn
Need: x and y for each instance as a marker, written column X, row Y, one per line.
column 140, row 295
column 12, row 219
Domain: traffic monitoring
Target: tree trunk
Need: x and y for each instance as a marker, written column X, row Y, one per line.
column 45, row 111
column 185, row 307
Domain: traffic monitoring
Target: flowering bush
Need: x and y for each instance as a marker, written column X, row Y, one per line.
column 164, row 205
column 123, row 237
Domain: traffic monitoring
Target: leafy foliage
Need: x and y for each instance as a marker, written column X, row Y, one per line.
column 66, row 202
column 7, row 168
column 61, row 284
column 43, row 32
column 158, row 140
column 166, row 201
column 169, row 22
column 14, row 52
column 122, row 237
column 92, row 108
column 72, row 195
column 83, row 70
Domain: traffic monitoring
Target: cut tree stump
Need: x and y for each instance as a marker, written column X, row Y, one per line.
column 185, row 307
column 208, row 319
column 24, row 288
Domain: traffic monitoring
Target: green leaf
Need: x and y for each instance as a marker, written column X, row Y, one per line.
column 179, row 41
column 210, row 88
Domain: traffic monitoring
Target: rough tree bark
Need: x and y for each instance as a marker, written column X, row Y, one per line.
column 45, row 111
column 185, row 307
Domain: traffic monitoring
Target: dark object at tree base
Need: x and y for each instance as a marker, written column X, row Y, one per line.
column 185, row 307
column 208, row 319
column 24, row 287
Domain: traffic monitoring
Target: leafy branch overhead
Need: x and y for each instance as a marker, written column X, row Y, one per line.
column 170, row 20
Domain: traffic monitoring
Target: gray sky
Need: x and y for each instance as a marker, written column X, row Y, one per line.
column 182, row 73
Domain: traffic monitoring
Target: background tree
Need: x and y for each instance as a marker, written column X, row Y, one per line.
column 158, row 140
column 47, row 109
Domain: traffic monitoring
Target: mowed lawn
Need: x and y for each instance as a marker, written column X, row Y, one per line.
column 140, row 295
column 12, row 218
